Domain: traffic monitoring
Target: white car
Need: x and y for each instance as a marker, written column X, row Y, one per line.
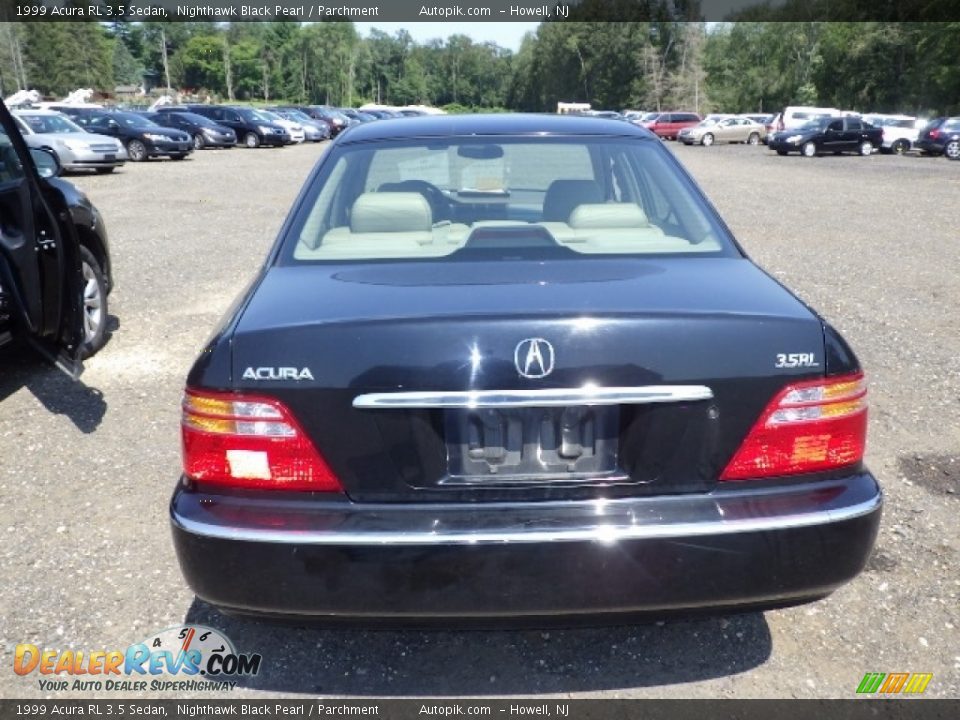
column 798, row 115
column 900, row 132
column 76, row 148
column 294, row 129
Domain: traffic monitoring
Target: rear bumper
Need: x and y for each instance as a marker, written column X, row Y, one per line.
column 340, row 560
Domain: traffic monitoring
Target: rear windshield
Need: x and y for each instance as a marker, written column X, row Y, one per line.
column 483, row 198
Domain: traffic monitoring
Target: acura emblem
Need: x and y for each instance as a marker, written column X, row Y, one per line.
column 533, row 358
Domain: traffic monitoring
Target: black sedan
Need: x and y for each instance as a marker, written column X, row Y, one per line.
column 533, row 375
column 828, row 135
column 941, row 136
column 142, row 137
column 204, row 131
column 55, row 272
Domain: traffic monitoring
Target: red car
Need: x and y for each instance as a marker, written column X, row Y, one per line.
column 668, row 125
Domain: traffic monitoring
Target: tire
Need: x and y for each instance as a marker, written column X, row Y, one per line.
column 952, row 150
column 198, row 142
column 94, row 304
column 251, row 140
column 866, row 148
column 809, row 149
column 137, row 151
column 900, row 146
column 781, row 152
column 754, row 139
column 105, row 171
column 707, row 140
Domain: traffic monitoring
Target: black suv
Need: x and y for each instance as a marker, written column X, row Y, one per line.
column 941, row 136
column 252, row 128
column 54, row 258
column 204, row 131
column 143, row 139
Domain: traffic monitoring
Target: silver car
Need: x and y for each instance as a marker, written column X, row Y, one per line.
column 76, row 148
column 724, row 129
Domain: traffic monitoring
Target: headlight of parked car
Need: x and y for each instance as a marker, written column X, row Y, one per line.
column 794, row 138
column 76, row 145
column 265, row 129
column 154, row 137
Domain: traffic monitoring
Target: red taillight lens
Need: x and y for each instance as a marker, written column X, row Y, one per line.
column 934, row 134
column 249, row 441
column 809, row 426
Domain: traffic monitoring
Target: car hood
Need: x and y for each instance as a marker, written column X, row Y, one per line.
column 61, row 137
column 159, row 130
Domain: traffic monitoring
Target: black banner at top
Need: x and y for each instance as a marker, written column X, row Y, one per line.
column 481, row 10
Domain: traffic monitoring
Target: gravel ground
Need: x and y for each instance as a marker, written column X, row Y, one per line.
column 88, row 467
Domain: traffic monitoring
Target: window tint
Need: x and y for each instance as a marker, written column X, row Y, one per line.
column 455, row 198
column 854, row 124
column 836, row 125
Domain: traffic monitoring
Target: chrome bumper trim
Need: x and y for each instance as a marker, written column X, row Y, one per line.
column 546, row 397
column 643, row 525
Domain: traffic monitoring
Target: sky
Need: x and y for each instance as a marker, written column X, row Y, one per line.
column 504, row 34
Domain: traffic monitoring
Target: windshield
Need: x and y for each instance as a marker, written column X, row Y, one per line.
column 815, row 124
column 197, row 119
column 131, row 120
column 707, row 123
column 457, row 197
column 649, row 117
column 49, row 123
column 251, row 115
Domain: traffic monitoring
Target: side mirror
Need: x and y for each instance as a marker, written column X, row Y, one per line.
column 46, row 162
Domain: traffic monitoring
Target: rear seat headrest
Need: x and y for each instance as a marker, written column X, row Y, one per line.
column 608, row 215
column 391, row 212
column 563, row 196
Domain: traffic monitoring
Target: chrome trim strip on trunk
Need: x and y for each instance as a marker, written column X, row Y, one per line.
column 619, row 526
column 545, row 397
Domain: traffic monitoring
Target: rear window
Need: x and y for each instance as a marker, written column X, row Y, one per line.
column 484, row 198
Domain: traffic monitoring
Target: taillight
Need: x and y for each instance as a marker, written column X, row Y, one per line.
column 934, row 134
column 249, row 441
column 809, row 426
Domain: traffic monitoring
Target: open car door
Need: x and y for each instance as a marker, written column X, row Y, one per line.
column 39, row 259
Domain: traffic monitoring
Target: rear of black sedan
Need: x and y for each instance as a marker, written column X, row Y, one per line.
column 517, row 367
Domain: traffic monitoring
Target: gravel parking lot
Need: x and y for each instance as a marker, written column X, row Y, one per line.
column 88, row 467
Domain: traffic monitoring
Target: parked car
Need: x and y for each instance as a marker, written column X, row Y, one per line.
column 762, row 118
column 360, row 117
column 797, row 115
column 142, row 138
column 75, row 148
column 941, row 136
column 535, row 377
column 204, row 131
column 730, row 130
column 251, row 127
column 834, row 134
column 900, row 132
column 313, row 130
column 667, row 125
column 338, row 121
column 55, row 273
column 294, row 129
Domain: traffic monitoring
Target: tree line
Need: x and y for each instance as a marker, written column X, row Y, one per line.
column 751, row 65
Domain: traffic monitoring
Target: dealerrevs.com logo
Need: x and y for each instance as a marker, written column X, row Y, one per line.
column 181, row 658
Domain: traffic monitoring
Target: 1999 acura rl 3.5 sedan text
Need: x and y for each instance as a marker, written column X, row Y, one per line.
column 517, row 366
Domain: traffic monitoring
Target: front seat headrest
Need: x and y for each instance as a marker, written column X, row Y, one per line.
column 391, row 212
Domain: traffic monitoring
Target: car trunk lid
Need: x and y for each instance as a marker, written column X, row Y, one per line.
column 321, row 337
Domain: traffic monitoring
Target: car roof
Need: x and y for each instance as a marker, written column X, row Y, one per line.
column 36, row 111
column 493, row 124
